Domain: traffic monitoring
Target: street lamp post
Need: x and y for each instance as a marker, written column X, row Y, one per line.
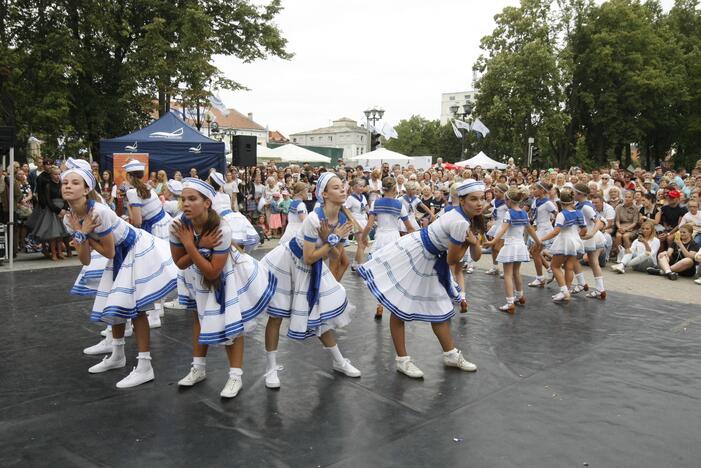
column 373, row 115
column 466, row 114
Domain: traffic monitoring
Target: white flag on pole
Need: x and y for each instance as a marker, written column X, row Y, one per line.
column 219, row 104
column 388, row 131
column 455, row 129
column 479, row 127
column 461, row 124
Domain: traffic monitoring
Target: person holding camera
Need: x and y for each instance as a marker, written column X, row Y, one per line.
column 678, row 260
column 642, row 253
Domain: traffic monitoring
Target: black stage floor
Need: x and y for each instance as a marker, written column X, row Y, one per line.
column 588, row 384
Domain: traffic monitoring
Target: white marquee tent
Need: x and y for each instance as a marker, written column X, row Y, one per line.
column 294, row 153
column 481, row 160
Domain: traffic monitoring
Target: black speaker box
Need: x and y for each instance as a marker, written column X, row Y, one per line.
column 245, row 151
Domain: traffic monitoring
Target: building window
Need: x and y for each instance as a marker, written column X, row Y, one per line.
column 311, row 138
column 362, row 137
column 451, row 98
column 330, row 138
column 294, row 140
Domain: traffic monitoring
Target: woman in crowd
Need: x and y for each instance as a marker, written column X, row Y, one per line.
column 107, row 189
column 45, row 222
column 642, row 253
column 137, row 273
column 308, row 294
column 411, row 277
column 220, row 283
column 24, row 209
column 514, row 250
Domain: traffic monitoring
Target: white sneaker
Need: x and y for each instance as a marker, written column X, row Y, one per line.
column 578, row 288
column 271, row 378
column 470, row 269
column 196, row 375
column 154, row 321
column 456, row 360
column 501, row 275
column 103, row 347
column 128, row 330
column 232, row 387
column 174, row 305
column 409, row 369
column 560, row 297
column 108, row 363
column 136, row 378
column 354, row 266
column 346, row 368
column 697, row 281
column 536, row 283
column 492, row 271
column 618, row 268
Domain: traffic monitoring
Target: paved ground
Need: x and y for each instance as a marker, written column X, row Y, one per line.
column 591, row 383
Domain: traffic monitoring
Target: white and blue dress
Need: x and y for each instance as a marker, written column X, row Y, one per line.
column 568, row 242
column 244, row 291
column 514, row 249
column 499, row 210
column 139, row 274
column 411, row 278
column 243, row 233
column 308, row 295
column 410, row 204
column 154, row 219
column 543, row 209
column 357, row 204
column 294, row 220
column 389, row 214
column 598, row 240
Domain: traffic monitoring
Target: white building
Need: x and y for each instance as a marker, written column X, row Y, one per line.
column 455, row 99
column 343, row 133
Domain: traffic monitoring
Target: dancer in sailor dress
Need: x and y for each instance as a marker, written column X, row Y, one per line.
column 227, row 288
column 594, row 243
column 242, row 231
column 308, row 294
column 411, row 277
column 499, row 209
column 457, row 269
column 514, row 252
column 136, row 274
column 567, row 244
column 544, row 210
column 172, row 203
column 146, row 212
column 387, row 212
column 297, row 212
column 411, row 203
column 357, row 204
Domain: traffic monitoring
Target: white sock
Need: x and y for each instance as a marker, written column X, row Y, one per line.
column 117, row 349
column 518, row 294
column 108, row 337
column 158, row 305
column 510, row 300
column 580, row 279
column 143, row 362
column 335, row 353
column 540, row 278
column 599, row 280
column 199, row 362
column 564, row 289
column 452, row 353
column 235, row 372
column 403, row 358
column 271, row 357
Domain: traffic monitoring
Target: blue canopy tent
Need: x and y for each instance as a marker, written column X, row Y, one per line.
column 172, row 145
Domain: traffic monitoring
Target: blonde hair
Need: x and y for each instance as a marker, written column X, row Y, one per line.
column 515, row 194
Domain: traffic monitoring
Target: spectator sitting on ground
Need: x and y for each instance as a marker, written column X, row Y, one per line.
column 642, row 253
column 672, row 214
column 679, row 258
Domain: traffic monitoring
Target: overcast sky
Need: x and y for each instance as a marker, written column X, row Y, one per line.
column 350, row 55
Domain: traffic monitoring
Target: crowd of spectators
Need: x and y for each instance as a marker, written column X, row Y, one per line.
column 653, row 222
